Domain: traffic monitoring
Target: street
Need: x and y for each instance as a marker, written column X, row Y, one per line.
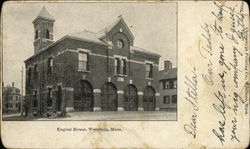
column 110, row 115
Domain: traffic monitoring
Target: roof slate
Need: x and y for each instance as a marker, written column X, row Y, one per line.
column 88, row 35
column 134, row 48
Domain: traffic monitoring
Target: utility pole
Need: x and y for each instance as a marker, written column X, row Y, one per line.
column 21, row 100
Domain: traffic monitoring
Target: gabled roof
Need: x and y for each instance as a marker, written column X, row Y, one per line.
column 169, row 74
column 102, row 33
column 44, row 14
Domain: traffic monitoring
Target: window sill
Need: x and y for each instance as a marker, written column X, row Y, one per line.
column 84, row 71
column 150, row 78
column 47, row 39
column 120, row 75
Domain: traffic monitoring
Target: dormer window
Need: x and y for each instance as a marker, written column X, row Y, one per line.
column 120, row 44
column 36, row 34
column 47, row 33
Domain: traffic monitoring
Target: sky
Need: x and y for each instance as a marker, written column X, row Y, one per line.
column 153, row 26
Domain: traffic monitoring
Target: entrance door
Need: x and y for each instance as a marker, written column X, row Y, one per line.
column 149, row 99
column 130, row 98
column 59, row 99
column 83, row 97
column 109, row 97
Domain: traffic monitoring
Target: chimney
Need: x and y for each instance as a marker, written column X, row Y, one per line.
column 13, row 84
column 167, row 65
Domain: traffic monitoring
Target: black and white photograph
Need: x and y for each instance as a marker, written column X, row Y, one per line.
column 90, row 61
column 125, row 74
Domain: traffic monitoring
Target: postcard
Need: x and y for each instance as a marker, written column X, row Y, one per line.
column 125, row 74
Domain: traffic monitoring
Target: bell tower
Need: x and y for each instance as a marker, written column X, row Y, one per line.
column 43, row 29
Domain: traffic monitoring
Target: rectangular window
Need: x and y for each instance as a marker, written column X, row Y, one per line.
column 171, row 84
column 175, row 84
column 123, row 66
column 120, row 66
column 36, row 71
column 149, row 70
column 166, row 99
column 49, row 97
column 166, row 85
column 35, row 100
column 29, row 75
column 83, row 59
column 174, row 99
column 36, row 34
column 117, row 66
column 50, row 65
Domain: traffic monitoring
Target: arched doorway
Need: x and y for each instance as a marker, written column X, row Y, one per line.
column 109, row 97
column 149, row 99
column 83, row 96
column 130, row 98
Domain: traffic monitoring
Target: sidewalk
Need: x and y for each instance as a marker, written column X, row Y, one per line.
column 11, row 114
column 119, row 115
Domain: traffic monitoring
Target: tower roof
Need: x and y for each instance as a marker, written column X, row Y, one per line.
column 44, row 14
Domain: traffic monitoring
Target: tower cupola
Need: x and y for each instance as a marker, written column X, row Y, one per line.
column 43, row 29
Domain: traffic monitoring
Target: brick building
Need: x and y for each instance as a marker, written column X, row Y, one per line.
column 168, row 87
column 89, row 71
column 11, row 99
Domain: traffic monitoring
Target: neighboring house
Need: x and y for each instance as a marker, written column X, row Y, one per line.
column 89, row 71
column 11, row 99
column 168, row 86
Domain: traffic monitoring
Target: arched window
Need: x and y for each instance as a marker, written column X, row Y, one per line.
column 120, row 44
column 36, row 34
column 47, row 33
